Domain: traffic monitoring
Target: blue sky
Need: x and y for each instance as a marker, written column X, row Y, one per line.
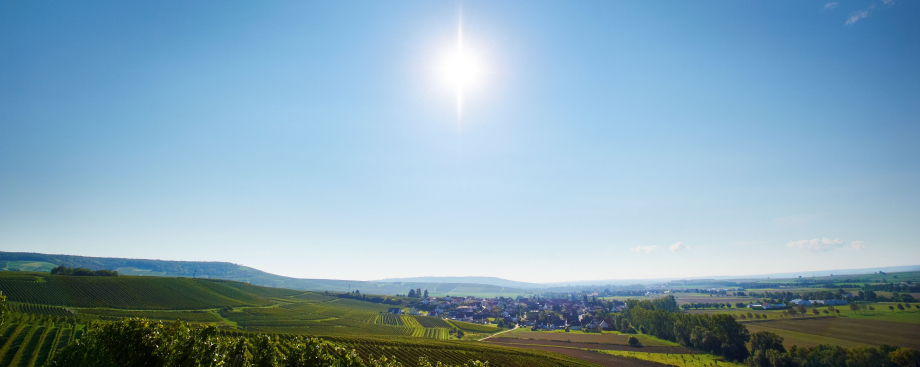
column 606, row 140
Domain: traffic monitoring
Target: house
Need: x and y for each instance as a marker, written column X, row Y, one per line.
column 800, row 302
column 395, row 310
column 835, row 302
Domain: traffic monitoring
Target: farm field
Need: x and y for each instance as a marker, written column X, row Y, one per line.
column 40, row 266
column 680, row 360
column 591, row 356
column 791, row 338
column 613, row 338
column 583, row 345
column 864, row 331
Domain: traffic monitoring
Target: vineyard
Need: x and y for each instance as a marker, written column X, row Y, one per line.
column 133, row 292
column 454, row 352
column 38, row 309
column 29, row 342
column 473, row 328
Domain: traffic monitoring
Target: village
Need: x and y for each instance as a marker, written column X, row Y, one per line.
column 587, row 314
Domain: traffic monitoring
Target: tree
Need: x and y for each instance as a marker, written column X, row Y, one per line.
column 765, row 340
column 412, row 293
column 900, row 307
column 905, row 357
column 418, row 292
column 853, row 307
column 801, row 310
column 815, row 311
column 891, row 308
column 426, row 293
column 792, row 312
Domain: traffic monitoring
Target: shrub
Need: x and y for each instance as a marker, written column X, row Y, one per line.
column 634, row 342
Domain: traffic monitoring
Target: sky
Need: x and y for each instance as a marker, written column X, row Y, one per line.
column 601, row 139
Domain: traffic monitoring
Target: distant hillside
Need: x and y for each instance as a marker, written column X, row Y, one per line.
column 476, row 280
column 235, row 272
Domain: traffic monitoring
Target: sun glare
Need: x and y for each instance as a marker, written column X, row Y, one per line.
column 461, row 69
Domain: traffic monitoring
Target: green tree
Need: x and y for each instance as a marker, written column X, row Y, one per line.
column 765, row 340
column 905, row 357
column 900, row 307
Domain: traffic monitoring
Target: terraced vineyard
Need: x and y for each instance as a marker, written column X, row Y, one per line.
column 39, row 309
column 133, row 292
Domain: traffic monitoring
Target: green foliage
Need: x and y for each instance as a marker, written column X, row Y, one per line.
column 81, row 272
column 633, row 342
column 765, row 340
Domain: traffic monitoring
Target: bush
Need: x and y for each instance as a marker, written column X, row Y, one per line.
column 634, row 342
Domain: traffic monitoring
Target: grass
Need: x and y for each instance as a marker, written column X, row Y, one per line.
column 681, row 360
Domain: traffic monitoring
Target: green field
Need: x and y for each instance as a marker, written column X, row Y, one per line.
column 39, row 266
column 848, row 328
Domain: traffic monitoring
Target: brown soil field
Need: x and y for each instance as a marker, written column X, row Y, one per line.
column 579, row 337
column 871, row 332
column 555, row 343
column 594, row 357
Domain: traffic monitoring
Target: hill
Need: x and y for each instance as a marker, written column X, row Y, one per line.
column 499, row 282
column 130, row 292
column 240, row 273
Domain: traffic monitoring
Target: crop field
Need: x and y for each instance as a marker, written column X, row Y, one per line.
column 473, row 328
column 38, row 309
column 455, row 352
column 187, row 316
column 791, row 338
column 432, row 322
column 40, row 266
column 855, row 330
column 683, row 298
column 613, row 338
column 680, row 360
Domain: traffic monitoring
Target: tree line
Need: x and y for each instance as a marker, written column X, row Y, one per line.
column 81, row 272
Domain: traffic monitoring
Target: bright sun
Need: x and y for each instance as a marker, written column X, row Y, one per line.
column 461, row 70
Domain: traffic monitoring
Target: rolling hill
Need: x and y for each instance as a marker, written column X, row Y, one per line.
column 240, row 273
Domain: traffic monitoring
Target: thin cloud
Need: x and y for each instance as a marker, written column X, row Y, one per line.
column 817, row 244
column 858, row 245
column 860, row 14
column 830, row 6
column 645, row 249
column 679, row 246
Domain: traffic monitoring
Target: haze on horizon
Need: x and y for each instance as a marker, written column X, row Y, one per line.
column 565, row 141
